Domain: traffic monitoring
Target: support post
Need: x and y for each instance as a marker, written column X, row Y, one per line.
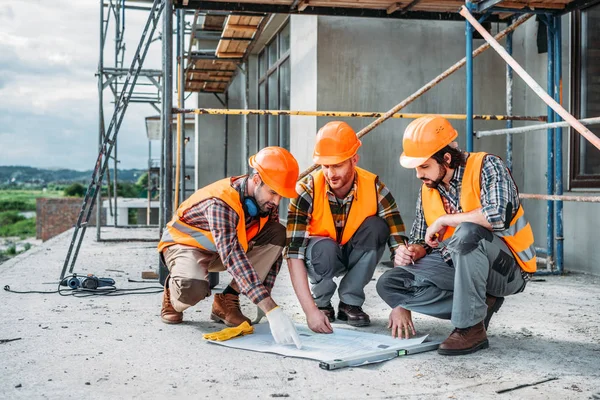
column 246, row 117
column 167, row 97
column 550, row 147
column 469, row 81
column 226, row 135
column 100, row 118
column 509, row 102
column 558, row 189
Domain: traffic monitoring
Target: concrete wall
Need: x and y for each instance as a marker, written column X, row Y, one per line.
column 371, row 65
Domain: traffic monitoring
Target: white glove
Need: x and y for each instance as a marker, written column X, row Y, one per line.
column 282, row 328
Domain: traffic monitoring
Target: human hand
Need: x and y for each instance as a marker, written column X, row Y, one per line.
column 318, row 322
column 435, row 232
column 282, row 328
column 401, row 322
column 406, row 255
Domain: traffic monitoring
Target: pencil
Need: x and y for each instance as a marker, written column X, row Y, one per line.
column 406, row 244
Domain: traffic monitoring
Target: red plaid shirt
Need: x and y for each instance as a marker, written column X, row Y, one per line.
column 215, row 215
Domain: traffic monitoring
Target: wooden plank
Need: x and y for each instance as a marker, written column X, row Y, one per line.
column 149, row 275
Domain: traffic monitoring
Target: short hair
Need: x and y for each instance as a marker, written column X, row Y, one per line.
column 457, row 157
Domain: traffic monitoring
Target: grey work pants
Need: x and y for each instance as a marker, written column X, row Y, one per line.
column 482, row 264
column 189, row 266
column 355, row 261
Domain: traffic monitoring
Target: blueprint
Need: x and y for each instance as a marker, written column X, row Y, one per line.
column 341, row 344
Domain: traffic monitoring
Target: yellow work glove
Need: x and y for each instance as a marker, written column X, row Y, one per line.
column 229, row 333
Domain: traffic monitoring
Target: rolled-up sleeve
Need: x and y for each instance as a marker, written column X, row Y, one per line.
column 222, row 221
column 498, row 189
column 299, row 214
column 388, row 210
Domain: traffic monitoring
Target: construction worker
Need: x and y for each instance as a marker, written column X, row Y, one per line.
column 338, row 226
column 470, row 244
column 232, row 224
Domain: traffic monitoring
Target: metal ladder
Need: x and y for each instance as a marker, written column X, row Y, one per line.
column 110, row 136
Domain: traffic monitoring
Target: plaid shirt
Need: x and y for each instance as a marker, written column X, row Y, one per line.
column 497, row 190
column 217, row 216
column 300, row 211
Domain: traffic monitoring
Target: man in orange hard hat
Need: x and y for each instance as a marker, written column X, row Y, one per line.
column 470, row 244
column 338, row 226
column 232, row 224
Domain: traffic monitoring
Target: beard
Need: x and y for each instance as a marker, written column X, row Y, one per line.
column 435, row 183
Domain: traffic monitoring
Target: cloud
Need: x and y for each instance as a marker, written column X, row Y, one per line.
column 48, row 88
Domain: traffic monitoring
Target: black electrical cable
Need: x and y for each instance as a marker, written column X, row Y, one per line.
column 109, row 291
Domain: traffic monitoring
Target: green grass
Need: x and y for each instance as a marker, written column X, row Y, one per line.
column 23, row 200
column 23, row 228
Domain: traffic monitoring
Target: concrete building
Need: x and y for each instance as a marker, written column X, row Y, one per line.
column 366, row 64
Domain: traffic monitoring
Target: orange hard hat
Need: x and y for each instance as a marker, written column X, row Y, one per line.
column 336, row 142
column 277, row 168
column 423, row 138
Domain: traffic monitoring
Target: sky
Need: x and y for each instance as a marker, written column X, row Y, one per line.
column 48, row 88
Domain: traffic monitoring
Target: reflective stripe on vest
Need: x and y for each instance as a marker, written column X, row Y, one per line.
column 178, row 232
column 364, row 205
column 518, row 237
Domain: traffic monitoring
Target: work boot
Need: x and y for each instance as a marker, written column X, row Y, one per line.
column 168, row 315
column 226, row 309
column 465, row 341
column 493, row 305
column 353, row 315
column 328, row 311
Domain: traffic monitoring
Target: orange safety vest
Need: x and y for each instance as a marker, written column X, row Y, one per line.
column 518, row 237
column 364, row 205
column 178, row 232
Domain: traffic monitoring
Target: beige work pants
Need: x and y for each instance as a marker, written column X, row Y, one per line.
column 189, row 266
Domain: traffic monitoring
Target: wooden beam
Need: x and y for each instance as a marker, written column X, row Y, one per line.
column 302, row 5
column 393, row 8
column 230, row 55
column 245, row 28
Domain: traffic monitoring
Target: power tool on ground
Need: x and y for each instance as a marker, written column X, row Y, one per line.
column 87, row 282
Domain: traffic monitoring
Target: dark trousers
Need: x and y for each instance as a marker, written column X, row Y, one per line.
column 355, row 261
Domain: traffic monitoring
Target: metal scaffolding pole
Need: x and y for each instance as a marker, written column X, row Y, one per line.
column 469, row 81
column 550, row 147
column 108, row 143
column 509, row 103
column 167, row 105
column 182, row 101
column 246, row 118
column 558, row 189
column 540, row 127
column 348, row 114
column 100, row 117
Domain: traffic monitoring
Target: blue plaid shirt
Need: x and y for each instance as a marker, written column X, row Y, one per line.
column 497, row 190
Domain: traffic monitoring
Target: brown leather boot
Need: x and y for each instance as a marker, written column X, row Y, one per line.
column 465, row 341
column 493, row 305
column 226, row 309
column 168, row 315
column 353, row 315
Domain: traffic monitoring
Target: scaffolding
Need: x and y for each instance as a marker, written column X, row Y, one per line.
column 197, row 75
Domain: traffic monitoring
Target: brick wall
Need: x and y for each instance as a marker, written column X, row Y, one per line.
column 54, row 216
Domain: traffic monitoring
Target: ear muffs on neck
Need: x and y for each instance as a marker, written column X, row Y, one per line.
column 250, row 207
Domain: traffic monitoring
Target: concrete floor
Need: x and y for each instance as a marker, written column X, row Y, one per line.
column 117, row 347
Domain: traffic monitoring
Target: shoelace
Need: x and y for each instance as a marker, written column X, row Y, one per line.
column 231, row 301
